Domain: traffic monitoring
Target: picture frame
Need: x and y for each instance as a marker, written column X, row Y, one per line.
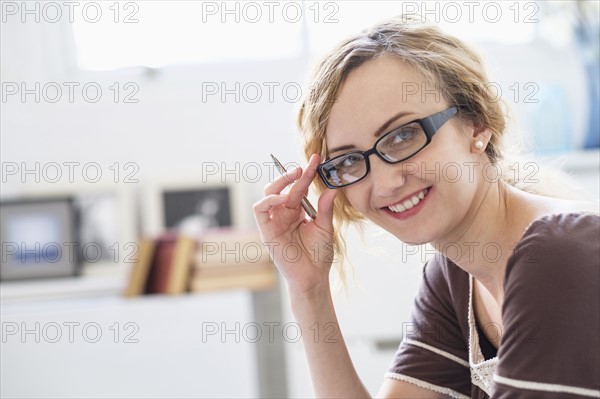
column 108, row 223
column 38, row 237
column 192, row 207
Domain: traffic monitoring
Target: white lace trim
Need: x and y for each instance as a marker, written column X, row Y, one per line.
column 542, row 386
column 424, row 384
column 482, row 371
column 436, row 350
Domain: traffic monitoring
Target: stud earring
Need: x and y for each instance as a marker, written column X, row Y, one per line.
column 479, row 144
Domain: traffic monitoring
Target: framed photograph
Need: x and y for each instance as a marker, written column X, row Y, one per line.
column 206, row 208
column 39, row 238
column 107, row 226
column 193, row 208
column 107, row 229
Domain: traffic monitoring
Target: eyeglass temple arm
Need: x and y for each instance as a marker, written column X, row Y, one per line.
column 434, row 122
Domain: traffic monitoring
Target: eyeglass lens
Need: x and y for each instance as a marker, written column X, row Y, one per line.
column 395, row 146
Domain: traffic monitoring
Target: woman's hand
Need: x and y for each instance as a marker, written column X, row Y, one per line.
column 302, row 249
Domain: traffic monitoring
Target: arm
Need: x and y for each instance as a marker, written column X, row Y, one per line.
column 332, row 372
column 406, row 390
column 282, row 223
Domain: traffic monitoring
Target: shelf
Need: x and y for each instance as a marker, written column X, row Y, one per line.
column 58, row 288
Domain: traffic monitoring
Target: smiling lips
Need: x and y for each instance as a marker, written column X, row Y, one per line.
column 410, row 202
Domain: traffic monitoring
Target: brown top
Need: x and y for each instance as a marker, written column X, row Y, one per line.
column 550, row 346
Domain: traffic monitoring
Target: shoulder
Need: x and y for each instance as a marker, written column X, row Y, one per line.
column 563, row 224
column 444, row 293
column 558, row 253
column 551, row 308
column 441, row 270
column 554, row 245
column 444, row 277
column 553, row 276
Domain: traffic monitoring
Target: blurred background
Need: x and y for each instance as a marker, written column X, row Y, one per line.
column 127, row 125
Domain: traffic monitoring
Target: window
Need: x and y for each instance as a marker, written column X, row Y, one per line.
column 473, row 21
column 160, row 33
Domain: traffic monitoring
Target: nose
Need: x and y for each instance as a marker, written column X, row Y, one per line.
column 387, row 179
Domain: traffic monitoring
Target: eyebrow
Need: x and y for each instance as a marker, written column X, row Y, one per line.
column 377, row 133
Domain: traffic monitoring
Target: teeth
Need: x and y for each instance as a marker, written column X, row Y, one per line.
column 397, row 208
column 409, row 203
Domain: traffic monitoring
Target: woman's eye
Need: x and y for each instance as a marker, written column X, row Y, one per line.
column 403, row 134
column 350, row 161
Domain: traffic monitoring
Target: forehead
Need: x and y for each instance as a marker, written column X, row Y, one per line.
column 373, row 93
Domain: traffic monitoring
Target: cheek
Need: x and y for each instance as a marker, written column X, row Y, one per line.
column 356, row 196
column 445, row 161
column 454, row 195
column 456, row 173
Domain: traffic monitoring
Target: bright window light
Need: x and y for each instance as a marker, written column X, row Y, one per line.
column 185, row 32
column 160, row 33
column 503, row 22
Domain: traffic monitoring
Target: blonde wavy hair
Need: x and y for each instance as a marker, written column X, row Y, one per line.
column 455, row 69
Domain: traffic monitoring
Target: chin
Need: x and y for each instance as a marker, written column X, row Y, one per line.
column 423, row 234
column 422, row 242
column 413, row 240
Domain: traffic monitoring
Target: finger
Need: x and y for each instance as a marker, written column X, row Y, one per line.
column 261, row 208
column 300, row 187
column 325, row 215
column 283, row 181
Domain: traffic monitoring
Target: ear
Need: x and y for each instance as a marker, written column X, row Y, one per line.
column 480, row 139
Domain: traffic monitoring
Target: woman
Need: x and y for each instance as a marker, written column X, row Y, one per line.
column 391, row 109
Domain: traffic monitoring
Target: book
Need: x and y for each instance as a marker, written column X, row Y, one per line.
column 140, row 269
column 219, row 248
column 163, row 267
column 200, row 272
column 160, row 267
column 180, row 266
column 262, row 279
column 229, row 259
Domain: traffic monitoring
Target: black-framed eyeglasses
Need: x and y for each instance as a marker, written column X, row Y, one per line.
column 395, row 146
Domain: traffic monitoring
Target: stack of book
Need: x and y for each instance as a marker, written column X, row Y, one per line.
column 162, row 266
column 229, row 258
column 221, row 259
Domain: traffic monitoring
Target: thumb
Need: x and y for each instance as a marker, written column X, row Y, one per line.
column 325, row 213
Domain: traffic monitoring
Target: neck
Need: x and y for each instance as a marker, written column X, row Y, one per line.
column 482, row 243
